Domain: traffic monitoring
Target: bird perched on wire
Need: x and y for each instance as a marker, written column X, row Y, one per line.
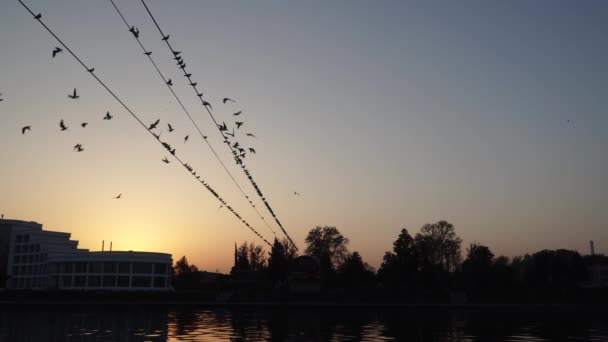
column 74, row 95
column 108, row 116
column 63, row 126
column 135, row 31
column 91, row 70
column 169, row 82
column 148, row 53
column 296, row 193
column 171, row 129
column 238, row 124
column 200, row 95
column 153, row 126
column 38, row 16
column 236, row 145
column 78, row 148
column 193, row 84
column 187, row 75
column 207, row 104
column 165, row 38
column 57, row 50
column 26, row 128
column 226, row 99
column 223, row 127
column 176, row 53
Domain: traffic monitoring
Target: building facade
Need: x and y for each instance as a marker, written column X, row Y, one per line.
column 36, row 259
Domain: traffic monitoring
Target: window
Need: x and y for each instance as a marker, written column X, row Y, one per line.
column 15, row 270
column 140, row 282
column 160, row 269
column 109, row 281
column 94, row 281
column 66, row 267
column 159, row 281
column 124, row 267
column 16, row 259
column 66, row 281
column 95, row 267
column 142, row 267
column 80, row 267
column 26, row 238
column 37, row 248
column 109, row 267
column 123, row 281
column 18, row 249
column 80, row 281
column 18, row 238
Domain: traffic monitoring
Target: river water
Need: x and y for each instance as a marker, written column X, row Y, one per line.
column 113, row 323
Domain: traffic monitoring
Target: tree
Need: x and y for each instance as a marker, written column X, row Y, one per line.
column 185, row 276
column 477, row 268
column 438, row 247
column 280, row 256
column 399, row 267
column 257, row 260
column 327, row 243
column 354, row 273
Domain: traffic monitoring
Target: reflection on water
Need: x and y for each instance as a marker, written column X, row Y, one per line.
column 112, row 323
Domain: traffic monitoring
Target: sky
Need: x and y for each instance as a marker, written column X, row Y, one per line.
column 382, row 115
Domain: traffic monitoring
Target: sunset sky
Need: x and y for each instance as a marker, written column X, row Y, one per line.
column 381, row 114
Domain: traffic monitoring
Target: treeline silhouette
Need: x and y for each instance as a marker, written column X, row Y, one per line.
column 427, row 266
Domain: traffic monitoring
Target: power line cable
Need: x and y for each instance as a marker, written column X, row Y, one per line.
column 203, row 137
column 164, row 144
column 239, row 161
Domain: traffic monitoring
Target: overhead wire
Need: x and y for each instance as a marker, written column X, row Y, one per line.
column 203, row 137
column 239, row 161
column 164, row 144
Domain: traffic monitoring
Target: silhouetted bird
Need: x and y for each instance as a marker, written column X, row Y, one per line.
column 56, row 51
column 223, row 127
column 193, row 84
column 252, row 150
column 91, row 70
column 205, row 137
column 74, row 95
column 296, row 193
column 169, row 82
column 166, row 160
column 188, row 75
column 251, row 135
column 78, row 148
column 153, row 126
column 108, row 116
column 84, row 124
column 119, row 196
column 166, row 37
column 135, row 31
column 238, row 124
column 38, row 16
column 200, row 95
column 186, row 138
column 182, row 66
column 236, row 145
column 231, row 134
column 178, row 58
column 171, row 129
column 1, row 99
column 172, row 151
column 62, row 125
column 25, row 128
column 207, row 104
column 148, row 53
column 157, row 136
column 221, row 206
column 238, row 113
column 176, row 53
column 567, row 121
column 226, row 99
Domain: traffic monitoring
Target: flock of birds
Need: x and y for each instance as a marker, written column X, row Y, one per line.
column 239, row 151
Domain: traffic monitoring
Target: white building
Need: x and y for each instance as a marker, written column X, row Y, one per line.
column 36, row 259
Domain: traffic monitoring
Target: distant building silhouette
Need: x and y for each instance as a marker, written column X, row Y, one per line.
column 36, row 259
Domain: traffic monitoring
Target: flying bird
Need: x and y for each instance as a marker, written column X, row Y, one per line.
column 231, row 134
column 63, row 126
column 78, row 148
column 38, row 16
column 207, row 104
column 165, row 38
column 166, row 160
column 223, row 127
column 296, row 193
column 251, row 135
column 135, row 31
column 169, row 82
column 238, row 124
column 226, row 99
column 26, row 128
column 171, row 129
column 84, row 124
column 108, row 116
column 221, row 206
column 186, row 138
column 238, row 113
column 252, row 150
column 74, row 95
column 153, row 126
column 119, row 196
column 56, row 51
column 148, row 53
